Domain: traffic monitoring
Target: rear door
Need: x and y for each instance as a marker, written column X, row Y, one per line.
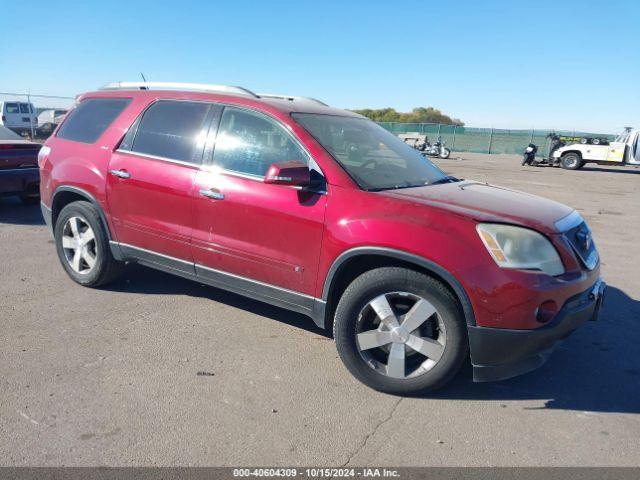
column 251, row 233
column 27, row 115
column 634, row 149
column 150, row 180
column 11, row 114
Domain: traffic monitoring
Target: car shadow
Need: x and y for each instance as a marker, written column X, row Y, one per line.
column 13, row 211
column 597, row 369
column 140, row 279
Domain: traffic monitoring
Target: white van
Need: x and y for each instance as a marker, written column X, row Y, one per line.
column 18, row 116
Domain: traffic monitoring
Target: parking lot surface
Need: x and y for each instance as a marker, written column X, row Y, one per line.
column 157, row 370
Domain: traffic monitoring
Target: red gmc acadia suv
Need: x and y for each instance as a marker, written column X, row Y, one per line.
column 321, row 211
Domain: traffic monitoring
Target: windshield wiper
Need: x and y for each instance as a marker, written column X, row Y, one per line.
column 447, row 179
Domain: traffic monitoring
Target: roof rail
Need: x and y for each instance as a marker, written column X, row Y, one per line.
column 291, row 98
column 179, row 86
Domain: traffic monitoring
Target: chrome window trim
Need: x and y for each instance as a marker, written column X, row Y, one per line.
column 232, row 173
column 255, row 178
column 570, row 221
column 195, row 166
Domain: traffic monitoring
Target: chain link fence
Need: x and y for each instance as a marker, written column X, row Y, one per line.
column 31, row 115
column 486, row 140
column 34, row 116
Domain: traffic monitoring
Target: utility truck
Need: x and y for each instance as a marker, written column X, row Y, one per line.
column 624, row 150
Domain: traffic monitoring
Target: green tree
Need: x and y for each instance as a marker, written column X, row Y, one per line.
column 417, row 115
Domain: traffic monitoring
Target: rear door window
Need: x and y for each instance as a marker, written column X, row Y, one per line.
column 175, row 130
column 91, row 118
column 11, row 108
column 25, row 108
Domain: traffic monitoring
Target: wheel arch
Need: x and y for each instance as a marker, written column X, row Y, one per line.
column 566, row 152
column 66, row 194
column 354, row 262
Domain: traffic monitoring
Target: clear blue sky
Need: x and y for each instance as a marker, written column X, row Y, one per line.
column 549, row 64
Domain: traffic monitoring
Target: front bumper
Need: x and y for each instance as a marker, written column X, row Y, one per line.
column 498, row 354
column 15, row 181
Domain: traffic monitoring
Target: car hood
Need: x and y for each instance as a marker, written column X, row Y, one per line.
column 488, row 203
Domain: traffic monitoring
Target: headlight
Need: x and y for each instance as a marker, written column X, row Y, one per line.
column 516, row 247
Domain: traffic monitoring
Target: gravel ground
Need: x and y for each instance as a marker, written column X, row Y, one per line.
column 110, row 377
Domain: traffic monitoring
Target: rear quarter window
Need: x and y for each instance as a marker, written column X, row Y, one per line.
column 91, row 118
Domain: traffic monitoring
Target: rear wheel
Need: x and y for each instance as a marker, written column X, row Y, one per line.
column 83, row 247
column 445, row 152
column 571, row 161
column 400, row 331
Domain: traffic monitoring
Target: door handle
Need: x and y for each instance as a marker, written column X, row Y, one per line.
column 120, row 173
column 212, row 193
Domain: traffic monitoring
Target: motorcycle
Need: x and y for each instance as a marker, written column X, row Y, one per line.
column 436, row 149
column 555, row 142
column 529, row 155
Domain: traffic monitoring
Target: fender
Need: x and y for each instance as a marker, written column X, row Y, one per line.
column 428, row 265
column 115, row 249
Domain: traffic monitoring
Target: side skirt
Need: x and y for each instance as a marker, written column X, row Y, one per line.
column 280, row 297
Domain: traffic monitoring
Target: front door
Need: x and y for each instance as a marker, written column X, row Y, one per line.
column 634, row 150
column 256, row 235
column 616, row 152
column 150, row 180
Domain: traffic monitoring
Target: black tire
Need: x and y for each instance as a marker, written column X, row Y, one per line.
column 571, row 161
column 394, row 279
column 106, row 268
column 32, row 199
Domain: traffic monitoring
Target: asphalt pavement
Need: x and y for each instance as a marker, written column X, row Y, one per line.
column 158, row 370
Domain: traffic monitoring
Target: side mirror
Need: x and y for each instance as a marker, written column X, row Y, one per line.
column 293, row 173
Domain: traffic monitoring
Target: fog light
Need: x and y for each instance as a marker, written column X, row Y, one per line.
column 546, row 311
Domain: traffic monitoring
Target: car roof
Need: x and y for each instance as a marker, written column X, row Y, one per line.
column 283, row 104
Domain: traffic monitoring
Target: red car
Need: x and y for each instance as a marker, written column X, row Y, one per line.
column 19, row 175
column 321, row 211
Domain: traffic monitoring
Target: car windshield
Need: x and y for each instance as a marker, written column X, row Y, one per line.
column 373, row 157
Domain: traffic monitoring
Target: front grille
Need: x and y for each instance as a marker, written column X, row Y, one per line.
column 581, row 240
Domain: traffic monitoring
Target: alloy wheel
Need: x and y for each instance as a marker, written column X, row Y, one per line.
column 79, row 245
column 400, row 335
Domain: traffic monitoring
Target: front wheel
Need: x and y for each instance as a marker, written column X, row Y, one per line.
column 399, row 331
column 571, row 161
column 445, row 152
